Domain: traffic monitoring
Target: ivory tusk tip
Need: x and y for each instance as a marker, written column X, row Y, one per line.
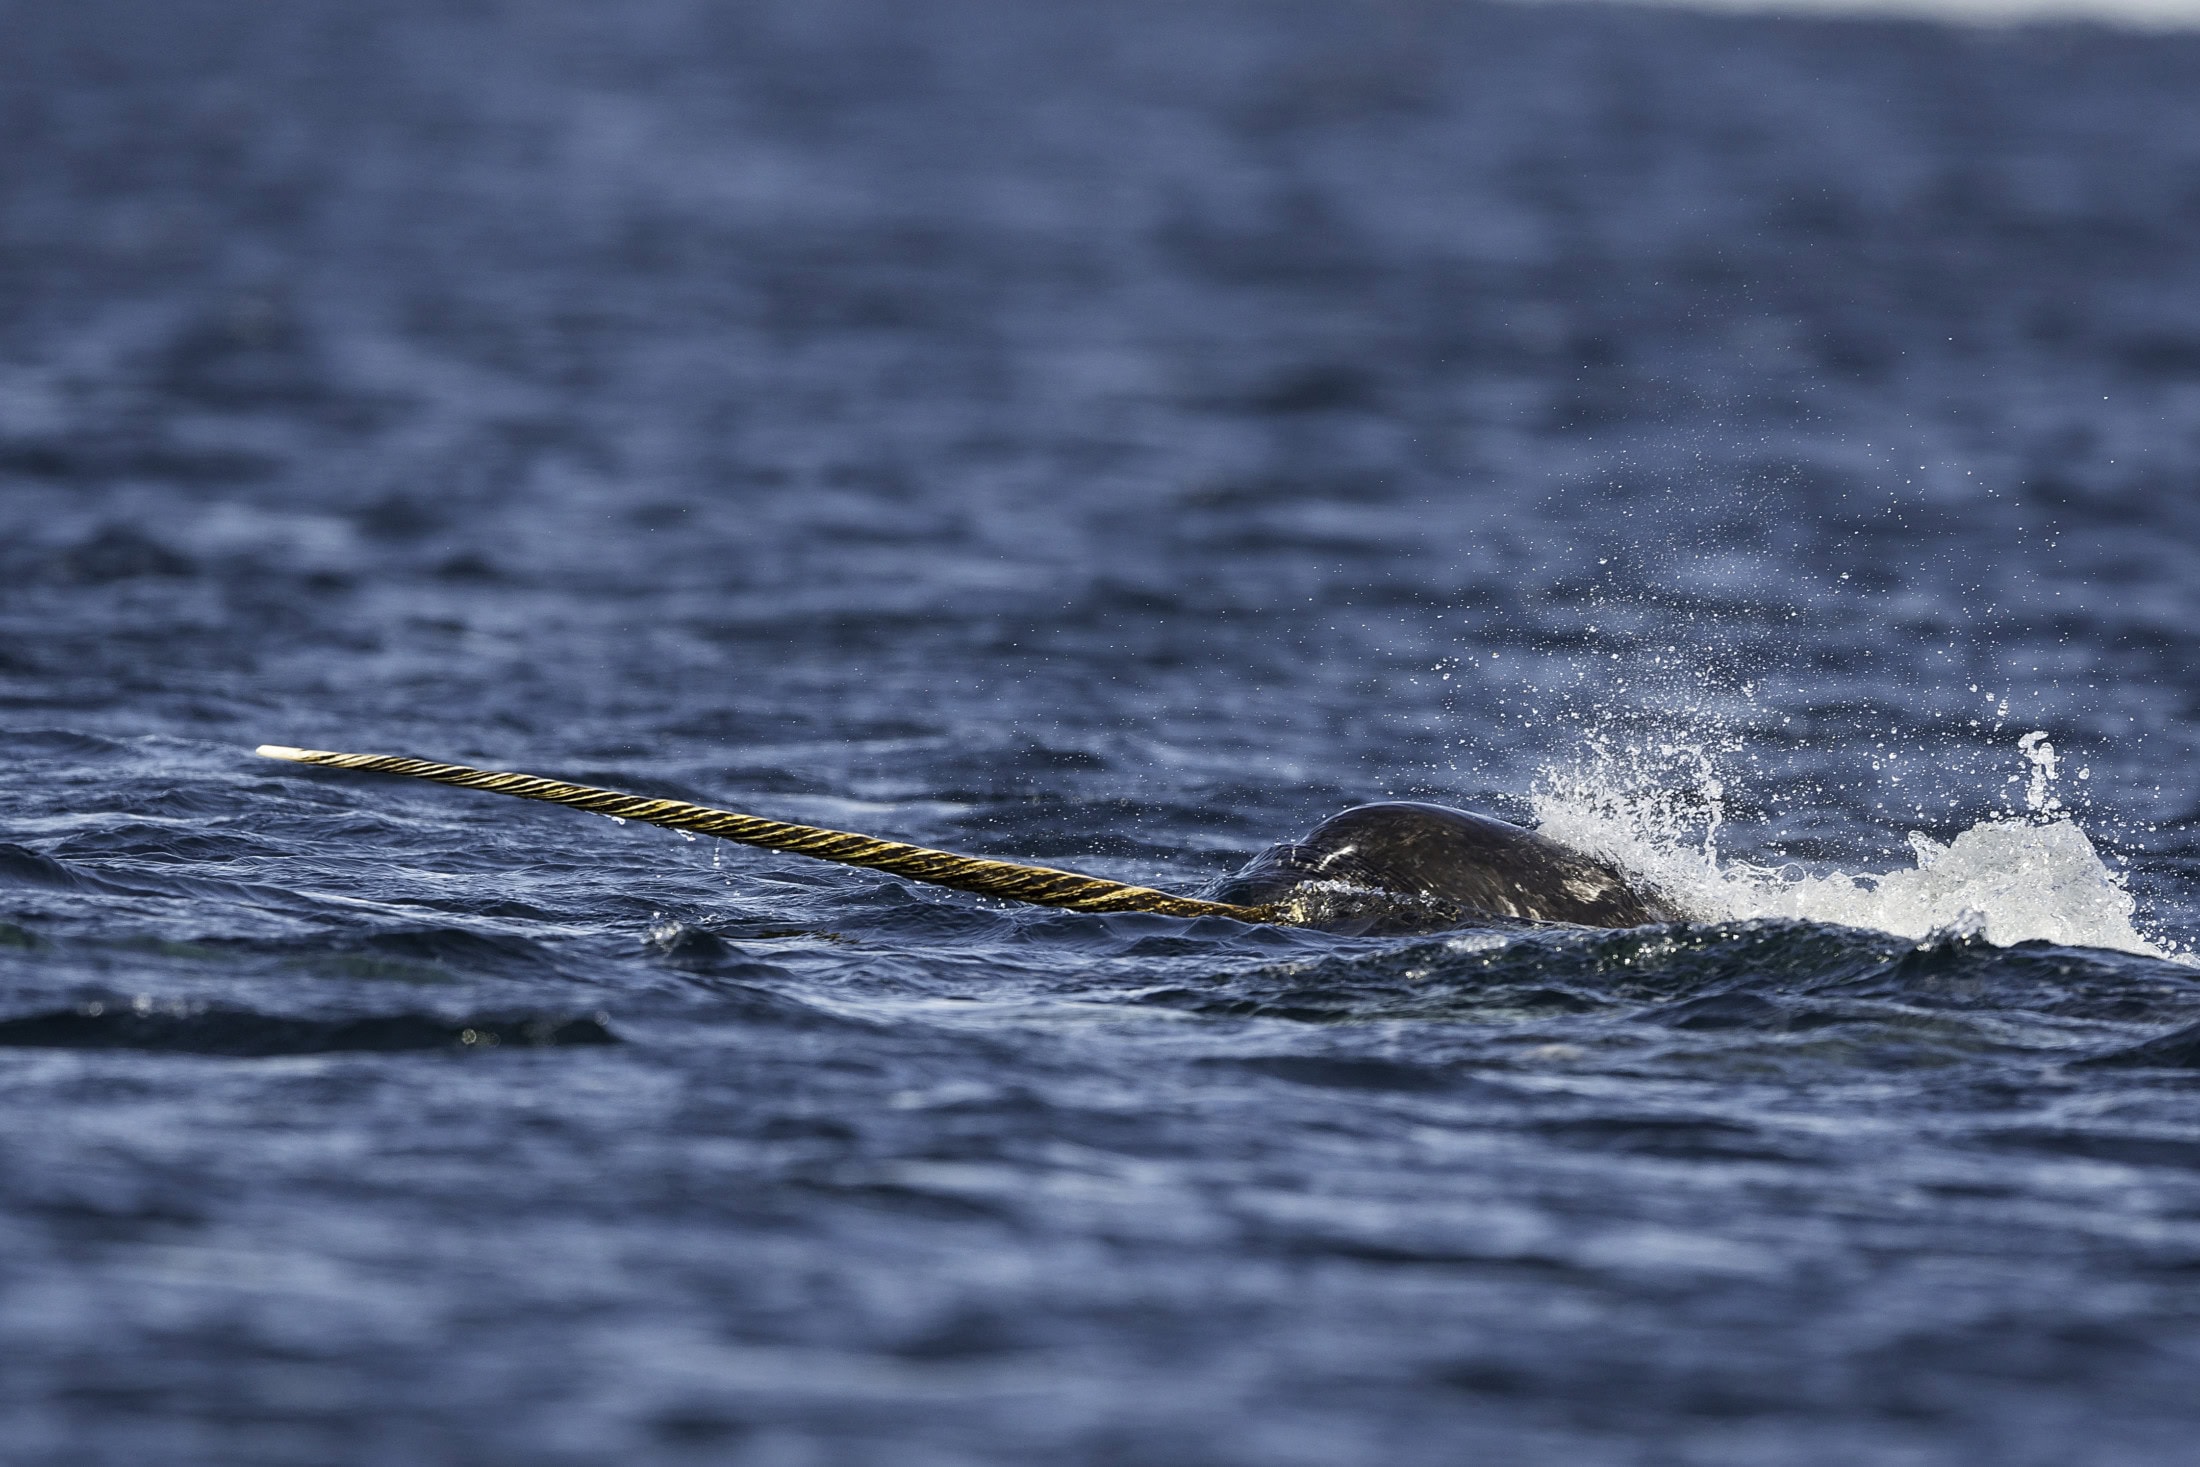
column 283, row 751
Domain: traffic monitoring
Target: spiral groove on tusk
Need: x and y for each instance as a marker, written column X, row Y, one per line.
column 1040, row 885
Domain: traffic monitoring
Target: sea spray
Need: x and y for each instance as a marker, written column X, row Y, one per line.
column 1656, row 807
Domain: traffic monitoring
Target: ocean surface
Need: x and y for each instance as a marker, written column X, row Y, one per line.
column 1764, row 452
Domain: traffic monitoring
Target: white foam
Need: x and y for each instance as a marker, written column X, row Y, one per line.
column 2141, row 14
column 1656, row 812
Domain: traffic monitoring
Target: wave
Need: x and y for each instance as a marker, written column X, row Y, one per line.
column 243, row 1033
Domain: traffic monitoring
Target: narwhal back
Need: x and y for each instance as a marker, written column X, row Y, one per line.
column 1443, row 866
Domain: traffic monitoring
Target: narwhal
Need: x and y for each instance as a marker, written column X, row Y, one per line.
column 1394, row 867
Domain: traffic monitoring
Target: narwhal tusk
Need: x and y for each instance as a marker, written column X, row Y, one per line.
column 1041, row 885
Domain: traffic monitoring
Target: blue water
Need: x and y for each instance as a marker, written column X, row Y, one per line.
column 1116, row 436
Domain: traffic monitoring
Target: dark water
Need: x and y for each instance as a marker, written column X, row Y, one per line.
column 1114, row 435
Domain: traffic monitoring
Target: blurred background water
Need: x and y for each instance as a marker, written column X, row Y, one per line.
column 1760, row 448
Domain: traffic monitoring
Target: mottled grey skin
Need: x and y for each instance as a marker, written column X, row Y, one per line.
column 1416, row 867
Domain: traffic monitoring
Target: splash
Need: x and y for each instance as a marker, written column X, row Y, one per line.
column 1656, row 808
